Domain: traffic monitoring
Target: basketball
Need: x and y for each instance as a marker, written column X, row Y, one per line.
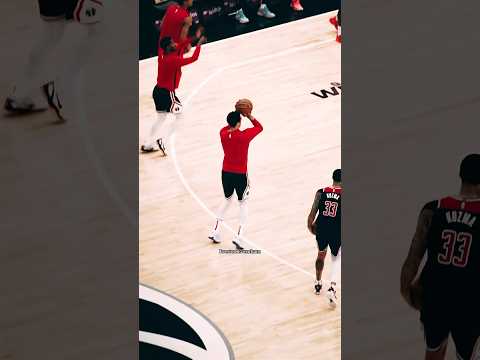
column 244, row 106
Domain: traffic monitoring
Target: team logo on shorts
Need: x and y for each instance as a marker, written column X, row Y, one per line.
column 171, row 329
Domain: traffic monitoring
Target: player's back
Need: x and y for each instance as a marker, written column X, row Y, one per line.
column 329, row 208
column 452, row 269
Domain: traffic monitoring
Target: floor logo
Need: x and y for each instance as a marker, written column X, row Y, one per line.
column 172, row 330
column 334, row 90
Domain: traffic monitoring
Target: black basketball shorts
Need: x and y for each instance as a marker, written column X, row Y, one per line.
column 166, row 101
column 84, row 11
column 328, row 239
column 235, row 182
column 438, row 324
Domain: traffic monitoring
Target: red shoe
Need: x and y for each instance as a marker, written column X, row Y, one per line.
column 295, row 5
column 339, row 39
column 334, row 22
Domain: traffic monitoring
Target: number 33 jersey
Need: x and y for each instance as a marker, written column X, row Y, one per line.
column 453, row 247
column 329, row 210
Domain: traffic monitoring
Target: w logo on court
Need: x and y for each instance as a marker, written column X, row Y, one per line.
column 334, row 90
column 172, row 330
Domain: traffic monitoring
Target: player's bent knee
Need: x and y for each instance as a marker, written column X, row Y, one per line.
column 89, row 11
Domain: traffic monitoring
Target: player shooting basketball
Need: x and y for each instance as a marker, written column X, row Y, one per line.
column 235, row 143
column 446, row 292
column 55, row 15
column 327, row 229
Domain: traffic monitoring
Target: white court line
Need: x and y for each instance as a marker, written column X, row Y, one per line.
column 182, row 177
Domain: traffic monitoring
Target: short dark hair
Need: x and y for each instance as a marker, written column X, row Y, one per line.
column 470, row 169
column 337, row 175
column 233, row 118
column 165, row 42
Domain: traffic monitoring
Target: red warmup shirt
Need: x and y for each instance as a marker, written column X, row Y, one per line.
column 235, row 147
column 172, row 24
column 170, row 68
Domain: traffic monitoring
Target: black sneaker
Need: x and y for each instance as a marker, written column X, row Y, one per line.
column 147, row 149
column 238, row 244
column 318, row 287
column 161, row 146
column 53, row 99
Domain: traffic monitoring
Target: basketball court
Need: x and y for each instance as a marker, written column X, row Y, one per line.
column 262, row 303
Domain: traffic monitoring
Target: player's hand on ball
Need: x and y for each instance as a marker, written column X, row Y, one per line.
column 244, row 107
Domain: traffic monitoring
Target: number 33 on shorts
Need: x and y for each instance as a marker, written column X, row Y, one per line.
column 88, row 11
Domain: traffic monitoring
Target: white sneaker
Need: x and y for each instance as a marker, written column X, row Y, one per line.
column 240, row 17
column 238, row 243
column 332, row 297
column 216, row 239
column 264, row 11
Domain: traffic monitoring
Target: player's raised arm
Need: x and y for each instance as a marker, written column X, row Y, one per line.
column 187, row 22
column 185, row 61
column 255, row 130
column 415, row 253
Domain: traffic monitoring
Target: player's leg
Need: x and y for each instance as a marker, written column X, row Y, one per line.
column 228, row 189
column 336, row 252
column 36, row 73
column 438, row 353
column 87, row 16
column 242, row 188
column 170, row 124
column 319, row 264
column 436, row 331
column 466, row 336
column 163, row 104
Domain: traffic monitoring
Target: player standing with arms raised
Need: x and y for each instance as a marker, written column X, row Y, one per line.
column 235, row 143
column 447, row 293
column 167, row 104
column 327, row 229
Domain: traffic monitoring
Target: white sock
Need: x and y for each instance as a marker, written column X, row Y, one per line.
column 243, row 218
column 336, row 264
column 154, row 130
column 34, row 76
column 221, row 215
column 170, row 126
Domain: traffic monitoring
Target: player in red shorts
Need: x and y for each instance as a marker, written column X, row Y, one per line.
column 235, row 145
column 167, row 103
